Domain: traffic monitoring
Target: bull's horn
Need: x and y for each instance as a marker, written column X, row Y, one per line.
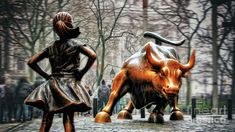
column 190, row 64
column 162, row 39
column 151, row 59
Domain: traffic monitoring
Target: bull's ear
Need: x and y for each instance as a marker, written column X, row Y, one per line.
column 186, row 74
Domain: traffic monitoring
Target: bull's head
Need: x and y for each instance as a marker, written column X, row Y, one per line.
column 169, row 72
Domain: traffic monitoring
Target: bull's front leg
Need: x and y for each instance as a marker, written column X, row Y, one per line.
column 126, row 112
column 156, row 116
column 176, row 114
column 118, row 90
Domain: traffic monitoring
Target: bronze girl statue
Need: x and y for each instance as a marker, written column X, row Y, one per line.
column 62, row 92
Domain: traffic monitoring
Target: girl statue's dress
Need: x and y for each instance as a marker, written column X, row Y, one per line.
column 62, row 91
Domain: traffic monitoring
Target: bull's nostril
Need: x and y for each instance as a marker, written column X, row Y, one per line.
column 164, row 91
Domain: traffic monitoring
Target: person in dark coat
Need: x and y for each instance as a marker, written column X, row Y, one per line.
column 10, row 98
column 22, row 90
column 2, row 102
column 62, row 92
column 103, row 94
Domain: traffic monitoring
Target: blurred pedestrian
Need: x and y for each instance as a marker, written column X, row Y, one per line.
column 103, row 95
column 2, row 103
column 22, row 90
column 10, row 98
column 88, row 113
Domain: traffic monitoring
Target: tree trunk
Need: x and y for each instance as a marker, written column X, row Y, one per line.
column 31, row 72
column 1, row 70
column 215, row 57
column 1, row 65
column 233, row 83
column 188, row 94
column 188, row 79
column 145, row 15
column 6, row 61
column 145, row 4
column 102, row 61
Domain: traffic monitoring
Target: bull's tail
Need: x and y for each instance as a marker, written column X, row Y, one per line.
column 158, row 38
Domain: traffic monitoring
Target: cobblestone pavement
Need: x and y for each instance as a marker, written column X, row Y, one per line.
column 87, row 124
column 9, row 126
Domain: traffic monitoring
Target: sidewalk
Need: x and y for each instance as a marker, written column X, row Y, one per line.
column 9, row 126
column 87, row 124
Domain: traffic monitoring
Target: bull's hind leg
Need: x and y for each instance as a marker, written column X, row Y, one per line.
column 126, row 112
column 176, row 114
column 118, row 90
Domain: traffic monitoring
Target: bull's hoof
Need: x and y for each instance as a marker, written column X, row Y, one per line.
column 124, row 114
column 152, row 117
column 156, row 118
column 159, row 118
column 176, row 115
column 102, row 117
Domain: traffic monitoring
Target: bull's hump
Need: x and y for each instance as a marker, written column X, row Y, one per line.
column 135, row 60
column 164, row 52
column 139, row 58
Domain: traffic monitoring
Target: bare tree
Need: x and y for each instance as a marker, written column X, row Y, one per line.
column 221, row 39
column 27, row 26
column 107, row 16
column 187, row 22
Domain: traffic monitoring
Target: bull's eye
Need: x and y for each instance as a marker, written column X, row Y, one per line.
column 162, row 74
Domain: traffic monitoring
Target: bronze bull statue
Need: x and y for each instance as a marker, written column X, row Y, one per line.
column 152, row 76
